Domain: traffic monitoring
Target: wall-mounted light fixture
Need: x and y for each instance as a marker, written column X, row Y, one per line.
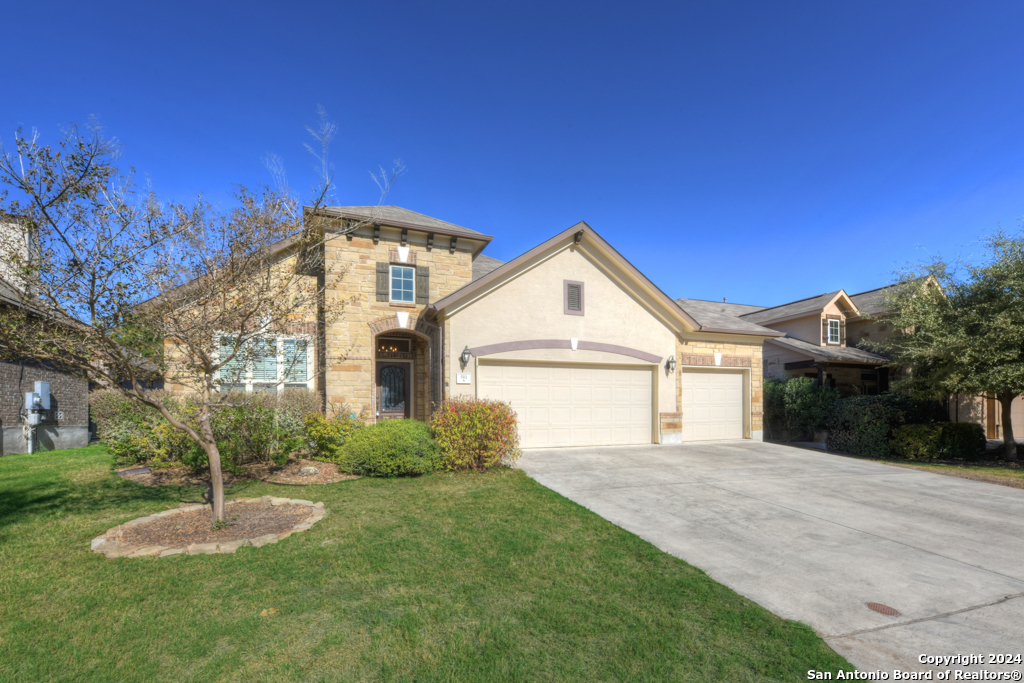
column 671, row 364
column 465, row 357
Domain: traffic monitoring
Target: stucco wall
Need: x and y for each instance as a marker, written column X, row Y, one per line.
column 530, row 306
column 807, row 329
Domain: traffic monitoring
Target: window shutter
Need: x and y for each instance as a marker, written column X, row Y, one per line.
column 234, row 370
column 824, row 330
column 382, row 280
column 842, row 332
column 295, row 360
column 422, row 285
column 574, row 297
column 265, row 363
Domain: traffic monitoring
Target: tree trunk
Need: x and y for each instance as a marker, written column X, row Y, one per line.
column 216, row 477
column 1006, row 399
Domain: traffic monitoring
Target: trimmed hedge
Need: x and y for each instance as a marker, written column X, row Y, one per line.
column 390, row 448
column 475, row 433
column 864, row 425
column 943, row 441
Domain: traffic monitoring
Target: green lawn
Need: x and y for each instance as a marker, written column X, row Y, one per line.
column 1006, row 475
column 453, row 578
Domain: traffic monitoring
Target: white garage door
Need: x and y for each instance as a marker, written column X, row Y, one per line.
column 563, row 405
column 712, row 405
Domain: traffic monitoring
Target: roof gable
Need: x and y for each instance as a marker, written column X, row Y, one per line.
column 614, row 265
column 801, row 308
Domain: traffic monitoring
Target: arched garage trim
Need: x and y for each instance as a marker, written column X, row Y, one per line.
column 581, row 345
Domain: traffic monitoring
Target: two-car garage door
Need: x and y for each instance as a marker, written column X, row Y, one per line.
column 577, row 405
column 573, row 405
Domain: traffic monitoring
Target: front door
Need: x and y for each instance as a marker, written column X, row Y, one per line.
column 393, row 390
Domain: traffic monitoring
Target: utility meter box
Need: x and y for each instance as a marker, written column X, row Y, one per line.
column 43, row 389
column 32, row 401
column 33, row 419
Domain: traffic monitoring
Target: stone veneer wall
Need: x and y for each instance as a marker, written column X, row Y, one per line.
column 69, row 395
column 350, row 344
column 734, row 354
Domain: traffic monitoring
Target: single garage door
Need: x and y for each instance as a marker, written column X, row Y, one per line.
column 712, row 405
column 572, row 405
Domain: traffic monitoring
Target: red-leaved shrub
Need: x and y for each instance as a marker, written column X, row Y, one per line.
column 475, row 433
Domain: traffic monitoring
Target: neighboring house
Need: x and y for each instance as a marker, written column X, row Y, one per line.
column 66, row 424
column 586, row 349
column 822, row 338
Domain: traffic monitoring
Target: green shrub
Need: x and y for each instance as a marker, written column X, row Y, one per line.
column 941, row 441
column 796, row 407
column 250, row 428
column 325, row 437
column 390, row 448
column 864, row 425
column 475, row 433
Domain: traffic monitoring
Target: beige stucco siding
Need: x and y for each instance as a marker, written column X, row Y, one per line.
column 530, row 306
column 807, row 328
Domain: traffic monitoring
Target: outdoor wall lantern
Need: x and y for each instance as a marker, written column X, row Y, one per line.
column 671, row 364
column 466, row 355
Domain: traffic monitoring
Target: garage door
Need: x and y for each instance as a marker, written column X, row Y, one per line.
column 563, row 405
column 712, row 405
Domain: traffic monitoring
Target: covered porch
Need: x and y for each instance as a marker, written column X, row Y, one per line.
column 852, row 371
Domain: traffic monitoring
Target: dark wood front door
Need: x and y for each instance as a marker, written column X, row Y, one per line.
column 393, row 395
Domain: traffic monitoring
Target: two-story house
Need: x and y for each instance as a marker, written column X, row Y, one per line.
column 821, row 338
column 585, row 347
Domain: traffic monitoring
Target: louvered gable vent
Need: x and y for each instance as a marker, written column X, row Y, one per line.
column 574, row 297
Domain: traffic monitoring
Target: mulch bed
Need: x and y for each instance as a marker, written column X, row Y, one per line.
column 268, row 472
column 246, row 520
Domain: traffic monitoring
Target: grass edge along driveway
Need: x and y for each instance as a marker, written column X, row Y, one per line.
column 446, row 577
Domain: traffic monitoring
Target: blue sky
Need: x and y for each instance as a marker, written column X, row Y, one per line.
column 762, row 152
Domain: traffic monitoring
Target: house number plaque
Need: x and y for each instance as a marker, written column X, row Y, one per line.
column 462, row 378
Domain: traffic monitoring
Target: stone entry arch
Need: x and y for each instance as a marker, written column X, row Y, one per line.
column 425, row 356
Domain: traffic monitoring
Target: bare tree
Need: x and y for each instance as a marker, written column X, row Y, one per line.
column 123, row 290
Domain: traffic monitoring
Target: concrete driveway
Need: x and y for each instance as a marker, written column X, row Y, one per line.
column 814, row 537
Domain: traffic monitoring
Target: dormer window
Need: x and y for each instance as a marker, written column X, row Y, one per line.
column 833, row 331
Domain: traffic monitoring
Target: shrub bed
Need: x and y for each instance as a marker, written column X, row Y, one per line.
column 264, row 428
column 864, row 425
column 326, row 437
column 942, row 441
column 796, row 408
column 475, row 434
column 390, row 448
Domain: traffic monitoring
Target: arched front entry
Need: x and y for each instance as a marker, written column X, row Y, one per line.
column 405, row 374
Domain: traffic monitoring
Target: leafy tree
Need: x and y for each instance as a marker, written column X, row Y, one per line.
column 123, row 290
column 961, row 327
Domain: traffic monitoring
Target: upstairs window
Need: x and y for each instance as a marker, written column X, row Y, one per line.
column 833, row 331
column 403, row 288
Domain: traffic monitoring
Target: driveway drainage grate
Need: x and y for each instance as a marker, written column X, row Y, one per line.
column 883, row 609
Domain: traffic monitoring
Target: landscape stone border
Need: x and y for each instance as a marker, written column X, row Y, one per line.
column 109, row 546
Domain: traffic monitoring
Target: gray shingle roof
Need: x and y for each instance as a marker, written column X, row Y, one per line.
column 722, row 315
column 482, row 265
column 793, row 308
column 847, row 354
column 387, row 213
column 871, row 302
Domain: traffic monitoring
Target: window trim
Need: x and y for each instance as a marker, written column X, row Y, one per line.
column 565, row 297
column 391, row 281
column 281, row 382
column 838, row 328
